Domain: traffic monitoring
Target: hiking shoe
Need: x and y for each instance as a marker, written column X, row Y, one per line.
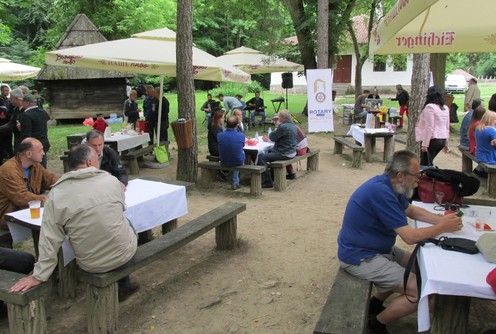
column 291, row 176
column 125, row 293
column 375, row 307
column 268, row 185
column 235, row 186
column 376, row 327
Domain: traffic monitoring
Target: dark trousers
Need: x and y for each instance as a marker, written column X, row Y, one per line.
column 264, row 159
column 435, row 146
column 152, row 128
column 16, row 261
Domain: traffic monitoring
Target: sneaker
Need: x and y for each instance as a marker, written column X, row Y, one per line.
column 125, row 293
column 375, row 307
column 291, row 176
column 480, row 173
column 376, row 327
column 268, row 185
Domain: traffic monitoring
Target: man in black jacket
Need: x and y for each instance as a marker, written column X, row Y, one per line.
column 109, row 158
column 34, row 124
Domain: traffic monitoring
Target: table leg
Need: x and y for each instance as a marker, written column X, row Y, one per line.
column 373, row 142
column 169, row 226
column 67, row 277
column 368, row 148
column 36, row 240
column 388, row 147
column 450, row 315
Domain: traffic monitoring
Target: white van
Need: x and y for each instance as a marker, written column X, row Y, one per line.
column 455, row 83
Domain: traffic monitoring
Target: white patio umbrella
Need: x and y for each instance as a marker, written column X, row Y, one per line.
column 151, row 52
column 10, row 71
column 253, row 61
column 435, row 26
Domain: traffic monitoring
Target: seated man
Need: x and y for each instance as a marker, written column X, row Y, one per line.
column 207, row 108
column 86, row 204
column 23, row 179
column 284, row 138
column 231, row 143
column 257, row 108
column 360, row 104
column 376, row 213
column 108, row 157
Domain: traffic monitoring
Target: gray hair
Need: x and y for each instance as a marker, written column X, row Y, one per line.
column 17, row 92
column 24, row 89
column 93, row 134
column 285, row 113
column 400, row 162
column 78, row 155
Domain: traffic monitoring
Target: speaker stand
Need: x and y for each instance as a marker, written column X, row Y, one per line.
column 287, row 99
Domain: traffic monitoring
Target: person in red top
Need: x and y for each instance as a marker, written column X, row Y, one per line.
column 100, row 124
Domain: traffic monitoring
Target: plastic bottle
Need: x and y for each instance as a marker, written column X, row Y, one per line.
column 269, row 132
column 256, row 136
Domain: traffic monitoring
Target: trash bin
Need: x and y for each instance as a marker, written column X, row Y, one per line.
column 75, row 139
column 347, row 111
column 183, row 132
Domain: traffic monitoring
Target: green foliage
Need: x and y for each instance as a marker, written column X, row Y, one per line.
column 477, row 64
column 233, row 89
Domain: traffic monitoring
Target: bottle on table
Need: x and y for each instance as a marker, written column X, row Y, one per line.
column 256, row 136
column 269, row 132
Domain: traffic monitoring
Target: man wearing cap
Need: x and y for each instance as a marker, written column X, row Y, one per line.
column 34, row 124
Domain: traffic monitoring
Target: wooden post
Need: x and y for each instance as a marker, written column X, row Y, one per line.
column 313, row 161
column 29, row 318
column 368, row 148
column 102, row 305
column 357, row 159
column 279, row 178
column 450, row 315
column 67, row 277
column 388, row 147
column 133, row 166
column 338, row 147
column 256, row 184
column 225, row 234
column 169, row 226
column 206, row 177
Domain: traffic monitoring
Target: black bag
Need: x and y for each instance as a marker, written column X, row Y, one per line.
column 462, row 184
column 453, row 115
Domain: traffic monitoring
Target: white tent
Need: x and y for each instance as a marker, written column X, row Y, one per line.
column 10, row 71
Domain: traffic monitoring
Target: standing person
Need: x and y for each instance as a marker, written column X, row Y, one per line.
column 23, row 179
column 403, row 98
column 230, row 103
column 231, row 143
column 4, row 96
column 257, row 107
column 464, row 141
column 215, row 128
column 207, row 108
column 473, row 92
column 100, row 124
column 131, row 110
column 164, row 120
column 150, row 108
column 86, row 204
column 432, row 129
column 16, row 112
column 284, row 138
column 34, row 124
column 5, row 136
column 371, row 224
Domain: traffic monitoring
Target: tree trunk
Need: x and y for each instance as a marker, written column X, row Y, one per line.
column 323, row 34
column 420, row 84
column 438, row 68
column 187, row 164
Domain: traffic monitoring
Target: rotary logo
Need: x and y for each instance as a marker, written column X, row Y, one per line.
column 319, row 89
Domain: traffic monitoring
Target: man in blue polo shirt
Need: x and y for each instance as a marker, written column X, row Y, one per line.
column 231, row 152
column 376, row 213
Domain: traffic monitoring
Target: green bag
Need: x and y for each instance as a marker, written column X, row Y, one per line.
column 487, row 246
column 161, row 154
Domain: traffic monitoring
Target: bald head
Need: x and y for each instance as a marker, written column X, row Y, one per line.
column 30, row 152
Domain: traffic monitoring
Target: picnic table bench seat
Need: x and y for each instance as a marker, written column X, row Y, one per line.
column 209, row 170
column 279, row 167
column 346, row 308
column 26, row 309
column 101, row 289
column 468, row 158
column 341, row 141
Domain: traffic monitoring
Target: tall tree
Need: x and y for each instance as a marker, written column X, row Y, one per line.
column 187, row 157
column 323, row 34
column 420, row 84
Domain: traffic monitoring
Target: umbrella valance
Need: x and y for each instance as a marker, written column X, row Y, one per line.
column 10, row 71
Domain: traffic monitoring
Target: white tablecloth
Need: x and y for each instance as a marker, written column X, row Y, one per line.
column 452, row 273
column 358, row 133
column 126, row 142
column 261, row 147
column 149, row 204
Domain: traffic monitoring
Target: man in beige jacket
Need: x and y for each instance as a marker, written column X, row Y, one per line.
column 86, row 204
column 472, row 93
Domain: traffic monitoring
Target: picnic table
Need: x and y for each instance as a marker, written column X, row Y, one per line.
column 149, row 204
column 453, row 277
column 124, row 142
column 255, row 150
column 367, row 138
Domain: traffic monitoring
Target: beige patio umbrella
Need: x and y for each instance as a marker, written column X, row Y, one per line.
column 435, row 26
column 151, row 52
column 10, row 71
column 253, row 61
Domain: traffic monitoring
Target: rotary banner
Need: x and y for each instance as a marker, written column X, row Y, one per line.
column 319, row 93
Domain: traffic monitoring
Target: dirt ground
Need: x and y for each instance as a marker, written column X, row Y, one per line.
column 278, row 279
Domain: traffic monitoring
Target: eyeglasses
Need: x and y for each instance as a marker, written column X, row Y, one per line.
column 416, row 175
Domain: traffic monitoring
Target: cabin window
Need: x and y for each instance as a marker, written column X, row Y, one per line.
column 379, row 64
column 399, row 63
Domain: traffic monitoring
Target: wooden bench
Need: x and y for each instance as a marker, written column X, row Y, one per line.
column 347, row 306
column 467, row 159
column 132, row 157
column 213, row 158
column 26, row 309
column 101, row 289
column 209, row 172
column 279, row 167
column 341, row 141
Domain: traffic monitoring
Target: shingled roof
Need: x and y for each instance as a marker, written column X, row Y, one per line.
column 80, row 32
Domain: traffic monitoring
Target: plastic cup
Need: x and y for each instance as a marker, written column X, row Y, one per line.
column 34, row 209
column 482, row 217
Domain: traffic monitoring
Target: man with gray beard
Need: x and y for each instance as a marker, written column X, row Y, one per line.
column 376, row 213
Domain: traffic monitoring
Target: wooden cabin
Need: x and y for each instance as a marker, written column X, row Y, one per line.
column 76, row 93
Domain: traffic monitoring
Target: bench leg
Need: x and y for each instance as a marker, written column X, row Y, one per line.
column 338, row 148
column 256, row 185
column 313, row 162
column 279, row 178
column 169, row 226
column 225, row 234
column 207, row 176
column 466, row 164
column 29, row 318
column 66, row 166
column 133, row 166
column 357, row 159
column 388, row 147
column 67, row 277
column 491, row 184
column 102, row 306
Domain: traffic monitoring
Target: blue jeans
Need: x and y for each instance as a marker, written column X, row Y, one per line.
column 257, row 113
column 264, row 159
column 235, row 177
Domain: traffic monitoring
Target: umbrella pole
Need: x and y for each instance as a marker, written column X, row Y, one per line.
column 159, row 124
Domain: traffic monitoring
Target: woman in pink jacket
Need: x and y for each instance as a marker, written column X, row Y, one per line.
column 432, row 129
